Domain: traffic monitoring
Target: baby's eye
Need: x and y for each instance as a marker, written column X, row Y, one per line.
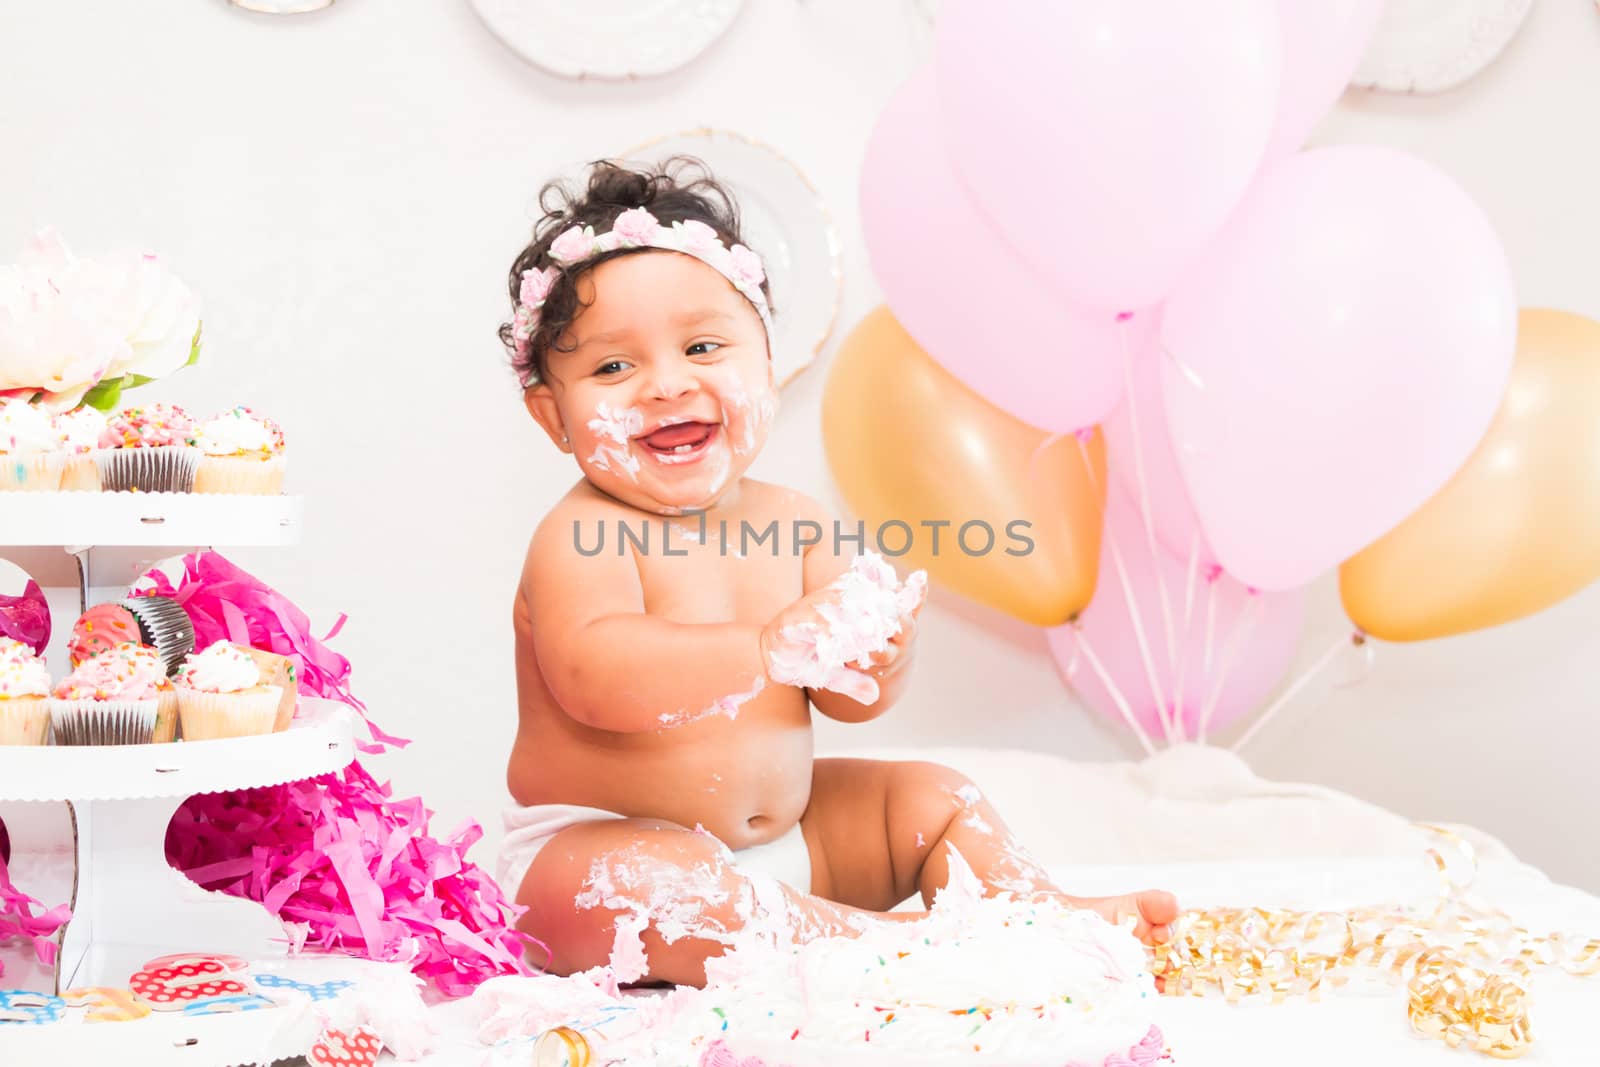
column 703, row 348
column 615, row 366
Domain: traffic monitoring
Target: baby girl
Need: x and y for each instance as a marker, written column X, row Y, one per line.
column 664, row 758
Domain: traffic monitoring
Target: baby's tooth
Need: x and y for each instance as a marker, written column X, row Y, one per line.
column 683, row 448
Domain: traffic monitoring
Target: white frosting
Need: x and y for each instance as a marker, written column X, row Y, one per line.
column 235, row 433
column 1048, row 986
column 865, row 614
column 22, row 674
column 222, row 668
column 26, row 429
column 615, row 429
column 80, row 429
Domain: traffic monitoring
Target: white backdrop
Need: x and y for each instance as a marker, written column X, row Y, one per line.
column 347, row 191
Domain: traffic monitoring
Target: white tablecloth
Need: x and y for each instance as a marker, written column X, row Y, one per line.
column 1198, row 822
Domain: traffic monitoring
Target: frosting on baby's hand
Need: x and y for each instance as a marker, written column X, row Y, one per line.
column 857, row 618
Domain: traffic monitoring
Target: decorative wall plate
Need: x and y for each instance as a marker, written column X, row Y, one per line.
column 786, row 222
column 1429, row 46
column 607, row 38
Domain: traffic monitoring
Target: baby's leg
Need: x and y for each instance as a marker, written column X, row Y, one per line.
column 883, row 828
column 680, row 884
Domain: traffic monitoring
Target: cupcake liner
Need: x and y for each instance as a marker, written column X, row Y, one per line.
column 250, row 475
column 103, row 722
column 164, row 469
column 24, row 720
column 166, row 728
column 164, row 626
column 33, row 472
column 207, row 716
column 80, row 473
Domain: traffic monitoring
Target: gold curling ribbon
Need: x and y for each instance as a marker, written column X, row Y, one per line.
column 1465, row 964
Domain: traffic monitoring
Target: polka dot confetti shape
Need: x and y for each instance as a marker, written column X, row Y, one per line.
column 335, row 1048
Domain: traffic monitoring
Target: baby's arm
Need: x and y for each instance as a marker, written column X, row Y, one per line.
column 607, row 663
column 824, row 563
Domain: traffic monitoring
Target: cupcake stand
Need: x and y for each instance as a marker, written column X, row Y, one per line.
column 88, row 824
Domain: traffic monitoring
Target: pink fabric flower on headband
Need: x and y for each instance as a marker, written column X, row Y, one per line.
column 573, row 244
column 698, row 238
column 747, row 265
column 636, row 226
column 536, row 286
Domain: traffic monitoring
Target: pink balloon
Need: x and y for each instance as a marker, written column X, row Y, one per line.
column 1335, row 358
column 939, row 261
column 1230, row 646
column 1137, row 438
column 1108, row 140
column 1322, row 44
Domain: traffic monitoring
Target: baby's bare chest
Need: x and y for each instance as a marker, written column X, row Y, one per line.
column 708, row 576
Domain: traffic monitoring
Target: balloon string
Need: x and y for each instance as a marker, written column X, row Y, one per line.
column 1188, row 616
column 1230, row 656
column 1353, row 638
column 1134, row 615
column 1111, row 687
column 1144, row 496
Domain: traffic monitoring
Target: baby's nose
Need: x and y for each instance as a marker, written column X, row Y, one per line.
column 672, row 382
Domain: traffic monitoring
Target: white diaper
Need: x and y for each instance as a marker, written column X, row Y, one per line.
column 529, row 829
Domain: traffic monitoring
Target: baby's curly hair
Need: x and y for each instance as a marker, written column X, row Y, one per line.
column 679, row 189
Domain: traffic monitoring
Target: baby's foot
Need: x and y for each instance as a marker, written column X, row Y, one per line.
column 1154, row 909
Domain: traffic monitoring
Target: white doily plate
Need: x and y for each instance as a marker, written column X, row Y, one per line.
column 786, row 222
column 1429, row 46
column 607, row 38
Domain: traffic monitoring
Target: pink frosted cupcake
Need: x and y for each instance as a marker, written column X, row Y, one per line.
column 113, row 699
column 240, row 452
column 80, row 431
column 148, row 450
column 30, row 450
column 220, row 695
column 24, row 695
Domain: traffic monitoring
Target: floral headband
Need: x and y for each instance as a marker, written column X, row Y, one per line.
column 636, row 228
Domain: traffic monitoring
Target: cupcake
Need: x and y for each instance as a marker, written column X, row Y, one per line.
column 157, row 621
column 240, row 452
column 113, row 699
column 30, row 450
column 24, row 695
column 80, row 432
column 148, row 450
column 220, row 695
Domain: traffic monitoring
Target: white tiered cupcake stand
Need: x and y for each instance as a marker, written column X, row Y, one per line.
column 88, row 824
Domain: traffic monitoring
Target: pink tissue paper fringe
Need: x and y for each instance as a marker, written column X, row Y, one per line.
column 354, row 869
column 357, row 872
column 23, row 916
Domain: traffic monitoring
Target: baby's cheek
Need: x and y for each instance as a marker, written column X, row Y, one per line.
column 748, row 409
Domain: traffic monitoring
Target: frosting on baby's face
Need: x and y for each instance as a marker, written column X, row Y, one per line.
column 665, row 392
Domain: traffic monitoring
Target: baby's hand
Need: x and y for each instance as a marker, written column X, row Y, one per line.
column 814, row 643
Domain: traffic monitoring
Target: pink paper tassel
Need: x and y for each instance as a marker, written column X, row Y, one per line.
column 23, row 916
column 227, row 604
column 358, row 871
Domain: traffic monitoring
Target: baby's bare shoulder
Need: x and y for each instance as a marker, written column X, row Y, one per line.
column 573, row 520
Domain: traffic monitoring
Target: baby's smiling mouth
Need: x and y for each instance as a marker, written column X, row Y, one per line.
column 681, row 442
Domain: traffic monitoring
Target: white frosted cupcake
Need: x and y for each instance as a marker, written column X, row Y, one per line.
column 220, row 695
column 24, row 695
column 30, row 449
column 241, row 452
column 80, row 431
column 113, row 699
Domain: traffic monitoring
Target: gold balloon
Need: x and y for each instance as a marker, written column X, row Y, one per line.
column 1518, row 528
column 909, row 442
